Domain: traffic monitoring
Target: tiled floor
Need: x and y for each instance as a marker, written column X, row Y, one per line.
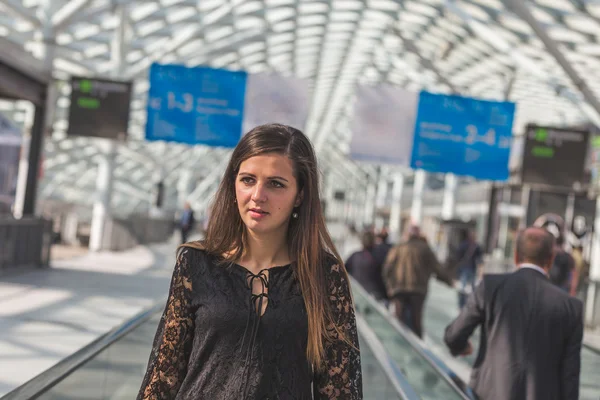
column 46, row 315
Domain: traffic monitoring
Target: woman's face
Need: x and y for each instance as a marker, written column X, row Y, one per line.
column 266, row 192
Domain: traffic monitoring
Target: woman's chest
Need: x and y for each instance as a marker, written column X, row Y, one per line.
column 233, row 302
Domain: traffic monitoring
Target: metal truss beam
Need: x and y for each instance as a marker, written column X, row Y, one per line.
column 510, row 84
column 199, row 156
column 179, row 39
column 67, row 13
column 17, row 8
column 411, row 47
column 203, row 187
column 520, row 60
column 520, row 8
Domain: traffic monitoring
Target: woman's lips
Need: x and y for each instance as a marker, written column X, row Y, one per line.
column 256, row 213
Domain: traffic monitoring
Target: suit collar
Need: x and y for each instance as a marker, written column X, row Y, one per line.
column 532, row 267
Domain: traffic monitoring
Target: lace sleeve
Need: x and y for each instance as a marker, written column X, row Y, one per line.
column 341, row 378
column 167, row 366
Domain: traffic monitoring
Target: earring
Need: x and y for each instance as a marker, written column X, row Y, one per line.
column 234, row 201
column 295, row 215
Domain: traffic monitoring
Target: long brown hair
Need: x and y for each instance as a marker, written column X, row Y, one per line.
column 308, row 239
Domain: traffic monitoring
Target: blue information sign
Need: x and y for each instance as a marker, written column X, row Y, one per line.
column 195, row 105
column 463, row 136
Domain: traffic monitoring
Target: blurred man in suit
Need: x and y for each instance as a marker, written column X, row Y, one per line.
column 531, row 330
column 187, row 223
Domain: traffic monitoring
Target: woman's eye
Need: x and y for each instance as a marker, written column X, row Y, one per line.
column 247, row 180
column 277, row 184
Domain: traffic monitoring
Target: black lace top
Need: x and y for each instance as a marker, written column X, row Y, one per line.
column 227, row 334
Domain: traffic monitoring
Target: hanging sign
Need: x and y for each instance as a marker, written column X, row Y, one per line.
column 383, row 126
column 274, row 98
column 195, row 105
column 462, row 135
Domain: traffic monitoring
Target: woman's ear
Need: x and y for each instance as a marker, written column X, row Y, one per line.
column 299, row 198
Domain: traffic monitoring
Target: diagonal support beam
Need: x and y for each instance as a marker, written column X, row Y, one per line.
column 63, row 17
column 510, row 84
column 179, row 39
column 16, row 8
column 411, row 47
column 520, row 8
column 520, row 60
column 201, row 190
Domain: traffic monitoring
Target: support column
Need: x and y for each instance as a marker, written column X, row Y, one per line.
column 104, row 183
column 504, row 222
column 26, row 197
column 356, row 202
column 33, row 143
column 349, row 206
column 359, row 209
column 416, row 209
column 449, row 201
column 159, row 195
column 184, row 187
column 570, row 212
column 369, row 210
column 104, row 187
column 525, row 194
column 396, row 211
column 382, row 189
column 69, row 228
column 328, row 191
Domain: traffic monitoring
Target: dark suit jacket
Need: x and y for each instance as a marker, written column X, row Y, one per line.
column 531, row 334
column 190, row 223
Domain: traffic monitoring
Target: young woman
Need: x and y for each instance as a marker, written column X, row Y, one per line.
column 261, row 309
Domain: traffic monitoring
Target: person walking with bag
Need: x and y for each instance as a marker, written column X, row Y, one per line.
column 469, row 255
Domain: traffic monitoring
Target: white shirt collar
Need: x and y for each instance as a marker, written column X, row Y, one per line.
column 535, row 267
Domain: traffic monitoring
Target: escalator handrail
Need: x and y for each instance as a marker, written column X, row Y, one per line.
column 417, row 344
column 46, row 380
column 389, row 365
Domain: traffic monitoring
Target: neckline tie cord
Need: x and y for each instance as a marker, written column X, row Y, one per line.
column 255, row 314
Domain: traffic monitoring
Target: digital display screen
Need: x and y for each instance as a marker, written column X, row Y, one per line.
column 99, row 108
column 554, row 156
column 339, row 195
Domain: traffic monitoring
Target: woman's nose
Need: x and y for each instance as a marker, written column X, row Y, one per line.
column 259, row 193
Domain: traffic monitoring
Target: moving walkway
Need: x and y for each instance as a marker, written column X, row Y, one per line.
column 395, row 365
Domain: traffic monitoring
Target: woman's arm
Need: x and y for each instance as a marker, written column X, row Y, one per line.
column 341, row 377
column 167, row 366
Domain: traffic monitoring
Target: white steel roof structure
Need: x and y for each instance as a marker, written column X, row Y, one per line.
column 542, row 54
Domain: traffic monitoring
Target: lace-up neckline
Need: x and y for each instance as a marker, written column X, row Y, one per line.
column 259, row 304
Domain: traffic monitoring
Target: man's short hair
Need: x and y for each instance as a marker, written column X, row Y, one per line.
column 413, row 231
column 368, row 239
column 535, row 246
column 383, row 234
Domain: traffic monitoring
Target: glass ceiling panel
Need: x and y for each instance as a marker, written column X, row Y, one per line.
column 417, row 44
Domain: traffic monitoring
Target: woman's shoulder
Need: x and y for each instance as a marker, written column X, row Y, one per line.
column 191, row 250
column 195, row 256
column 333, row 267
